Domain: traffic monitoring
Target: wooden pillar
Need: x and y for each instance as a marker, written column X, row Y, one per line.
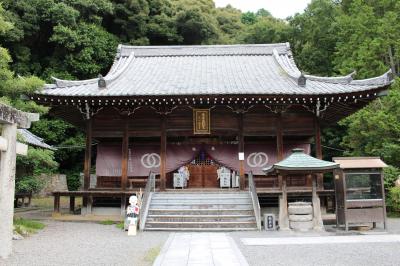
column 317, row 139
column 163, row 152
column 318, row 150
column 88, row 155
column 57, row 203
column 279, row 137
column 241, row 150
column 123, row 205
column 7, row 188
column 72, row 204
column 125, row 154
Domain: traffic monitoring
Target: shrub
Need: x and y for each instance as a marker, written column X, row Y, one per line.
column 26, row 227
column 73, row 179
column 29, row 184
column 393, row 201
column 391, row 175
column 29, row 168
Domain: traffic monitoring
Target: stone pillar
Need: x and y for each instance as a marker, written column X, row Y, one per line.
column 7, row 189
column 317, row 216
column 283, row 206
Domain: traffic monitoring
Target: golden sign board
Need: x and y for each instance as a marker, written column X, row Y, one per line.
column 201, row 121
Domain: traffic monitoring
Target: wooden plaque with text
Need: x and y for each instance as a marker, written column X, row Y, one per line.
column 201, row 121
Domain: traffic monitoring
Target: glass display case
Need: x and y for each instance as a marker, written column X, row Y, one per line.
column 365, row 185
column 359, row 191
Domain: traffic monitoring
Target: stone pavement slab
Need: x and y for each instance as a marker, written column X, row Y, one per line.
column 195, row 249
column 385, row 238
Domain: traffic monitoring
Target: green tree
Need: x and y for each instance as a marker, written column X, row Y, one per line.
column 230, row 23
column 249, row 18
column 375, row 130
column 82, row 56
column 313, row 37
column 265, row 30
column 369, row 35
column 12, row 87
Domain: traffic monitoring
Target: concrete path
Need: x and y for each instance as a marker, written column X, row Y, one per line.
column 362, row 239
column 208, row 249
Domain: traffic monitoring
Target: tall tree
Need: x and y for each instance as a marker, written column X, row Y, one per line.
column 314, row 36
column 369, row 34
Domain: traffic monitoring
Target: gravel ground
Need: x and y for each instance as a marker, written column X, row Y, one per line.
column 323, row 254
column 66, row 243
column 69, row 243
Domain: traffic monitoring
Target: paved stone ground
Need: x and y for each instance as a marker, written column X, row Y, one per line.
column 66, row 243
column 206, row 249
column 353, row 254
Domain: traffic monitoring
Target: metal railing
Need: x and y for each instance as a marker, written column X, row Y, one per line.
column 146, row 198
column 254, row 199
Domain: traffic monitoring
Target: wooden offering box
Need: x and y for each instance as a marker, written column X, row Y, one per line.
column 360, row 194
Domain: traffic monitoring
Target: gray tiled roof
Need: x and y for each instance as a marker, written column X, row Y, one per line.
column 32, row 139
column 267, row 69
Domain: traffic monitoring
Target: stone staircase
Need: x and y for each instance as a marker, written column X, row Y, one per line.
column 201, row 211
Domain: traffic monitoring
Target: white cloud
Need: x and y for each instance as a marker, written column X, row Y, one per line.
column 278, row 8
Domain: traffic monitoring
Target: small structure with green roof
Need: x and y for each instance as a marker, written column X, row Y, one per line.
column 300, row 163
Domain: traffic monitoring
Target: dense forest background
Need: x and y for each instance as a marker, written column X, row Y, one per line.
column 77, row 39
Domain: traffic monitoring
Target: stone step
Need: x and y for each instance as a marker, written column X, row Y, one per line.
column 200, row 218
column 201, row 198
column 244, row 211
column 199, row 202
column 202, row 195
column 224, row 229
column 201, row 206
column 198, row 211
column 196, row 224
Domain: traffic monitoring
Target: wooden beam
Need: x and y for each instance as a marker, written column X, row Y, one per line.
column 163, row 152
column 279, row 137
column 125, row 153
column 88, row 155
column 317, row 138
column 242, row 182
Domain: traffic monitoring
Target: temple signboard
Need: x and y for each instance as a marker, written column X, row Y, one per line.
column 201, row 121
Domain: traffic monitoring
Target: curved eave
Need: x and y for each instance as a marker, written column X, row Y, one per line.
column 247, row 71
column 277, row 169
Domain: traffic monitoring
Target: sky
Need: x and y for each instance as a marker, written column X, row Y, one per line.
column 278, row 8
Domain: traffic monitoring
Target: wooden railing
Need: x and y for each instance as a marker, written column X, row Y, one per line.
column 146, row 198
column 254, row 198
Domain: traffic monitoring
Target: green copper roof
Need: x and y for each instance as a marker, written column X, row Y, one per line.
column 299, row 161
